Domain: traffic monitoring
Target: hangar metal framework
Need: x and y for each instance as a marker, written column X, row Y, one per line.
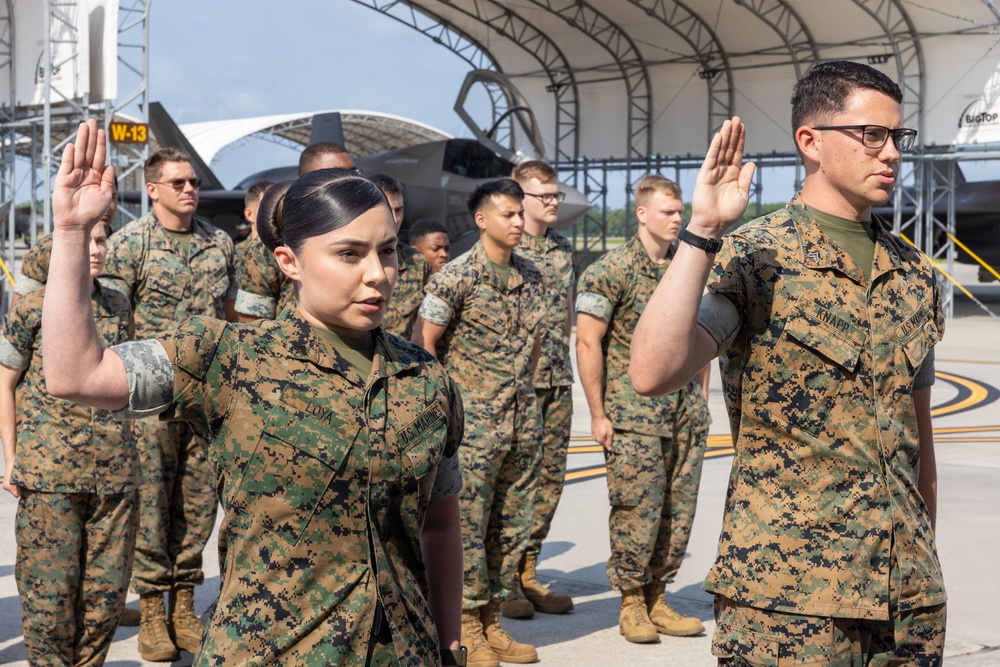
column 617, row 85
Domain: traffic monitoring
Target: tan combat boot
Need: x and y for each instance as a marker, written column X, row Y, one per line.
column 633, row 622
column 154, row 637
column 540, row 597
column 666, row 620
column 186, row 626
column 473, row 639
column 503, row 645
column 517, row 606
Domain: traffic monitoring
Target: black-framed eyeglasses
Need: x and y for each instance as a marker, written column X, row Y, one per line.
column 548, row 198
column 178, row 183
column 875, row 136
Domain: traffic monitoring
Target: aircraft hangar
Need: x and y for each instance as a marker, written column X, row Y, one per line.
column 618, row 87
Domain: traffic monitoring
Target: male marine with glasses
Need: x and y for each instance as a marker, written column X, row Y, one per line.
column 172, row 267
column 825, row 325
column 552, row 253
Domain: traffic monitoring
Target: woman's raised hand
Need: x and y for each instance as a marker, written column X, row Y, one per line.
column 84, row 185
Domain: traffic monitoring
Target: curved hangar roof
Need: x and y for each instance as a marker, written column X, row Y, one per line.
column 365, row 132
column 633, row 78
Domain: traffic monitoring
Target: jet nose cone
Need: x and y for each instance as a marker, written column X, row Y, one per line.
column 574, row 207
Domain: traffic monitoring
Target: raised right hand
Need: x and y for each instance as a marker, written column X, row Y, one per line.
column 84, row 185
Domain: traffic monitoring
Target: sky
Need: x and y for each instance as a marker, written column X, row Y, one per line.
column 234, row 59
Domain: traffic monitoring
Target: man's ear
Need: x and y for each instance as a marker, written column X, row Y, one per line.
column 640, row 214
column 808, row 142
column 480, row 219
column 287, row 261
column 151, row 191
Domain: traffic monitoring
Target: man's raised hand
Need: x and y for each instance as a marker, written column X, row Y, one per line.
column 722, row 189
column 84, row 185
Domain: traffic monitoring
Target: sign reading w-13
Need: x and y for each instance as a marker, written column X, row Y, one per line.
column 128, row 133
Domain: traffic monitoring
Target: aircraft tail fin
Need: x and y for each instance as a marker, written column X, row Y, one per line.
column 168, row 134
column 327, row 127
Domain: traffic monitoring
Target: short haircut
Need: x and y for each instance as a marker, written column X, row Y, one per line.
column 651, row 183
column 824, row 89
column 292, row 212
column 526, row 171
column 255, row 192
column 387, row 184
column 502, row 187
column 153, row 168
column 425, row 227
column 315, row 151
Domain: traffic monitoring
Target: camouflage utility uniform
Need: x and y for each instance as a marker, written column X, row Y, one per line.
column 264, row 291
column 654, row 468
column 177, row 497
column 35, row 267
column 326, row 478
column 823, row 518
column 77, row 518
column 408, row 293
column 487, row 350
column 553, row 375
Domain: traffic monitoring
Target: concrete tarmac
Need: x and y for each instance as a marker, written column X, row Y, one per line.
column 967, row 427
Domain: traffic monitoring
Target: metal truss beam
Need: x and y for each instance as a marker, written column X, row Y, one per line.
column 133, row 62
column 786, row 22
column 582, row 16
column 562, row 82
column 448, row 35
column 904, row 43
column 8, row 137
column 708, row 51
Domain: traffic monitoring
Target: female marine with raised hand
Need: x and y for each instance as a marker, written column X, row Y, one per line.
column 334, row 441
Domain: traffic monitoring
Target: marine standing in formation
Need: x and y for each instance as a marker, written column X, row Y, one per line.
column 76, row 471
column 825, row 325
column 336, row 443
column 264, row 291
column 171, row 267
column 431, row 238
column 552, row 253
column 414, row 271
column 654, row 447
column 481, row 318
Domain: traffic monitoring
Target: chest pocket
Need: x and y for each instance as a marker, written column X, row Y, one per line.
column 916, row 337
column 489, row 327
column 293, row 464
column 816, row 352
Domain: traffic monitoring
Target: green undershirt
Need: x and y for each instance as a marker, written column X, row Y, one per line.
column 542, row 241
column 358, row 352
column 184, row 238
column 502, row 271
column 856, row 238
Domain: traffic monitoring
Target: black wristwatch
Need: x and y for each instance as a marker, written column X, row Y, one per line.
column 710, row 246
column 450, row 658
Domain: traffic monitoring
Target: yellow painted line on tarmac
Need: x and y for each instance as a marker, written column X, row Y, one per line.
column 586, row 473
column 965, row 429
column 937, row 439
column 976, row 396
column 966, row 361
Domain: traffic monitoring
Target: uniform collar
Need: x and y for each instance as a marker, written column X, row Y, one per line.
column 490, row 277
column 199, row 233
column 820, row 252
column 530, row 242
column 641, row 259
column 302, row 344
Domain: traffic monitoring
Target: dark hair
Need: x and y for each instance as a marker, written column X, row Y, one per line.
column 314, row 152
column 387, row 184
column 255, row 192
column 321, row 201
column 825, row 88
column 425, row 227
column 154, row 164
column 484, row 192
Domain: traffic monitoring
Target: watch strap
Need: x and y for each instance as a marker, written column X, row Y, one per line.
column 710, row 246
column 453, row 658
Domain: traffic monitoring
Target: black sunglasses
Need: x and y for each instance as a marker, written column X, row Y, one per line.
column 178, row 183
